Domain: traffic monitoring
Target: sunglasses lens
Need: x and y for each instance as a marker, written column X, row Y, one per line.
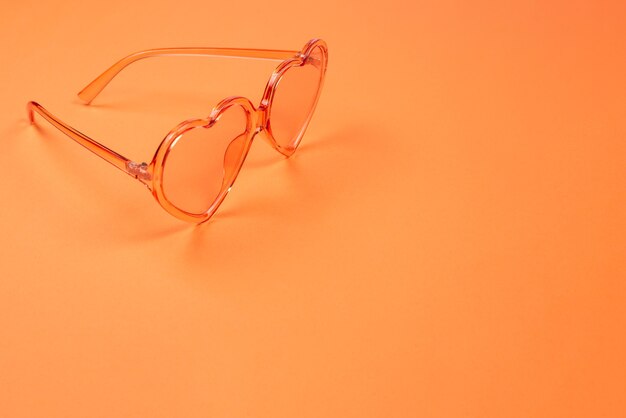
column 202, row 162
column 294, row 101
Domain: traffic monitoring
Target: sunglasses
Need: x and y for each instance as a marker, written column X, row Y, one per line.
column 197, row 162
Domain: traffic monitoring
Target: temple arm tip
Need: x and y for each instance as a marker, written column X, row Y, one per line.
column 85, row 96
column 30, row 106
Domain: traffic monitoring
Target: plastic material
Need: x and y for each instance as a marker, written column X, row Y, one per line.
column 175, row 171
column 96, row 86
column 294, row 100
column 97, row 148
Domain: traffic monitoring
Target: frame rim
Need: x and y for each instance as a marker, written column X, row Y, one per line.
column 157, row 165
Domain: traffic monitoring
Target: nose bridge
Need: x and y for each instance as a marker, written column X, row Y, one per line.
column 262, row 120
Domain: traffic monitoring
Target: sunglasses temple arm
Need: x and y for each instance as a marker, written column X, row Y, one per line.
column 136, row 170
column 97, row 85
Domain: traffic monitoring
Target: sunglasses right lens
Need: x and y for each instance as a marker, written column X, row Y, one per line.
column 201, row 163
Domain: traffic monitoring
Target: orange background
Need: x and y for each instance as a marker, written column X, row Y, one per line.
column 448, row 241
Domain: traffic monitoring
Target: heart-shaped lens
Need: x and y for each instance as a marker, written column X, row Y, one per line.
column 294, row 101
column 201, row 163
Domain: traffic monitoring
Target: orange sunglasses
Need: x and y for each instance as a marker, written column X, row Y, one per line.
column 196, row 164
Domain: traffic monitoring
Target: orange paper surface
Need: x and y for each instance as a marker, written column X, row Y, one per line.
column 448, row 241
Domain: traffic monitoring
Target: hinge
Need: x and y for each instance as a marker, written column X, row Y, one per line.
column 139, row 171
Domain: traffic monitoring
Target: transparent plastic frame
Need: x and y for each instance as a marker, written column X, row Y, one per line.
column 257, row 118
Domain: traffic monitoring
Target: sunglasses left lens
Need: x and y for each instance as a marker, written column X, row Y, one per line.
column 200, row 164
column 294, row 101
